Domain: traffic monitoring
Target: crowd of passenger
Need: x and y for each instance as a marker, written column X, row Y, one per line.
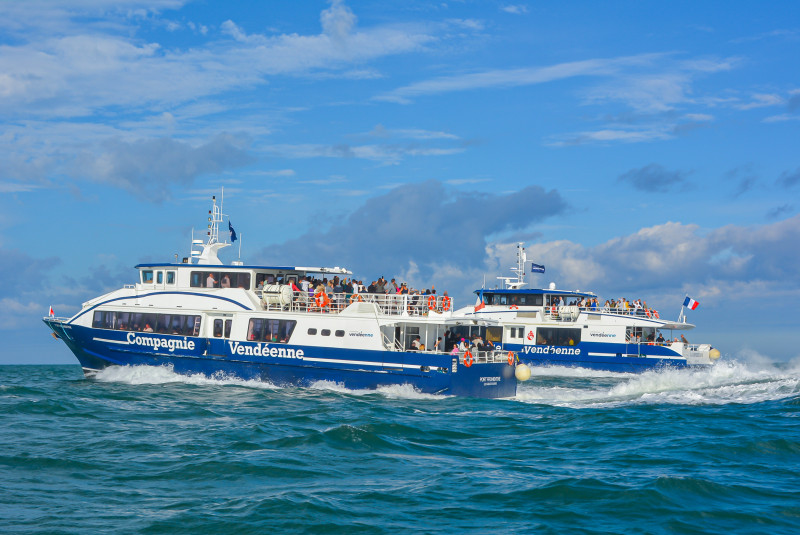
column 337, row 293
column 638, row 307
column 455, row 344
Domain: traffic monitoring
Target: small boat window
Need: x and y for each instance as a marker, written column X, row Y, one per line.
column 312, row 330
column 326, row 332
column 339, row 333
column 147, row 276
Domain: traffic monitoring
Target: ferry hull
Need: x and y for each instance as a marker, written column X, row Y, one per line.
column 354, row 369
column 623, row 358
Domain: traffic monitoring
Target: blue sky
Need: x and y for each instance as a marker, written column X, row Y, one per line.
column 639, row 149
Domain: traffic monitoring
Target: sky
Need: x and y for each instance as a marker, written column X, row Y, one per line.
column 638, row 149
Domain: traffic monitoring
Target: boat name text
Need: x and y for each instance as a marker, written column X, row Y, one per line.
column 552, row 350
column 168, row 343
column 265, row 350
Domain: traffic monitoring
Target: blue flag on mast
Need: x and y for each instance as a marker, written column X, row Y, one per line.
column 233, row 232
column 537, row 268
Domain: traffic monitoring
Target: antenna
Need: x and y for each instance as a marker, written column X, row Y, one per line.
column 512, row 283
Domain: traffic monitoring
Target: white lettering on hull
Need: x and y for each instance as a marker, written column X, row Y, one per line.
column 551, row 350
column 170, row 344
column 265, row 350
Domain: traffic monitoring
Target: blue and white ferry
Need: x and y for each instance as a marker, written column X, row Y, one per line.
column 265, row 323
column 549, row 326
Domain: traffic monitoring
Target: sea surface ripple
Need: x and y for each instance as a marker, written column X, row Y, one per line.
column 143, row 450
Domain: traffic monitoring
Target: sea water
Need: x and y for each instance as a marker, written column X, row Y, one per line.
column 143, row 450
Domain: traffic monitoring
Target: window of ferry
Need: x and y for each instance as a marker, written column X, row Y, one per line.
column 494, row 334
column 339, row 333
column 228, row 324
column 552, row 336
column 270, row 330
column 170, row 277
column 217, row 328
column 147, row 276
column 160, row 277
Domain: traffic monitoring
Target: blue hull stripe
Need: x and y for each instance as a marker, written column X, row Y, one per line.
column 237, row 303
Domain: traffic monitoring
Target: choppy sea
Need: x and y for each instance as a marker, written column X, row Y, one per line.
column 145, row 451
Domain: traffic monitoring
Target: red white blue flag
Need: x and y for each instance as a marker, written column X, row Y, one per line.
column 691, row 303
column 479, row 304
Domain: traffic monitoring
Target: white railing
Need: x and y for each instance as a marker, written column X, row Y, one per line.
column 568, row 313
column 387, row 304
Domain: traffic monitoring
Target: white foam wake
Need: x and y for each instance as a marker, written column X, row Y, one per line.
column 748, row 381
column 155, row 375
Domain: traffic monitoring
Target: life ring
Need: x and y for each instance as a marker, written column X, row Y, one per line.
column 431, row 302
column 445, row 303
column 468, row 359
column 511, row 358
column 655, row 313
column 647, row 311
column 513, row 307
column 322, row 300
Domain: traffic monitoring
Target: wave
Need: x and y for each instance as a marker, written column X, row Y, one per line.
column 156, row 375
column 746, row 382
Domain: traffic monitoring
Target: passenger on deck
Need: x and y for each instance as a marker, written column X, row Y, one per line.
column 415, row 344
column 226, row 281
column 210, row 282
column 439, row 344
column 660, row 338
column 684, row 340
column 147, row 328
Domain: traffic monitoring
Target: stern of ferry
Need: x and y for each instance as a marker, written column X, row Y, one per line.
column 491, row 377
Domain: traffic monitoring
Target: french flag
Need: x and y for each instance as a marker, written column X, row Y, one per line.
column 691, row 303
column 479, row 304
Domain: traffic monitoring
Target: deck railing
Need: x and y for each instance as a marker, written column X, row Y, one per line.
column 387, row 304
column 569, row 313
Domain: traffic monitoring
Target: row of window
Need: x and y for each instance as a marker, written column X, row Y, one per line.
column 270, row 330
column 514, row 299
column 180, row 324
column 325, row 332
column 219, row 279
column 147, row 276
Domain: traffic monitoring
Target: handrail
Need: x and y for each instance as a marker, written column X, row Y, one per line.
column 387, row 304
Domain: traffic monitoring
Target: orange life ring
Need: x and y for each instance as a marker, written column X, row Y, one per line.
column 468, row 359
column 647, row 311
column 511, row 358
column 431, row 302
column 513, row 307
column 655, row 312
column 445, row 303
column 322, row 300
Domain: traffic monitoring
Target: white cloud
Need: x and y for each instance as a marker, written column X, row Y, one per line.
column 515, row 77
column 762, row 100
column 517, row 9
